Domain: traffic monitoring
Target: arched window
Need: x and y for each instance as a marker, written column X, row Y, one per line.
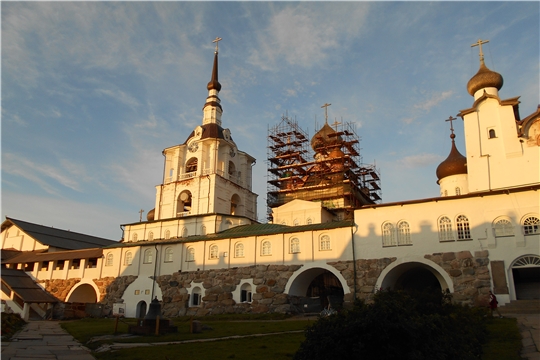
column 168, row 254
column 266, row 248
column 235, row 202
column 185, row 232
column 183, row 204
column 203, row 230
column 388, row 237
column 167, row 234
column 503, row 227
column 458, row 190
column 463, row 230
column 245, row 293
column 134, row 237
column 128, row 260
column 109, row 261
column 445, row 229
column 296, row 222
column 190, row 254
column 196, row 298
column 445, row 192
column 232, row 170
column 309, row 221
column 325, row 243
column 148, row 256
column 295, row 246
column 214, row 252
column 150, row 236
column 191, row 165
column 404, row 233
column 239, row 250
column 531, row 225
column 492, row 133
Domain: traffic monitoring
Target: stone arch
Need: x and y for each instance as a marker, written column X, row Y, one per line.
column 316, row 285
column 297, row 282
column 399, row 272
column 83, row 292
column 524, row 273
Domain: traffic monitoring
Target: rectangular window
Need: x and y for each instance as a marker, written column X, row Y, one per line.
column 60, row 265
column 75, row 264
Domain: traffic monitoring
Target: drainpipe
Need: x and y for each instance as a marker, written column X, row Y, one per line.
column 155, row 269
column 354, row 257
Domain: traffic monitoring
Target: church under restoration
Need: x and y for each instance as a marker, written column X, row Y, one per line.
column 330, row 238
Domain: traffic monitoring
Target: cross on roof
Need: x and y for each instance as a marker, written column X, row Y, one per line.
column 325, row 106
column 217, row 40
column 479, row 44
column 450, row 118
column 335, row 124
column 140, row 215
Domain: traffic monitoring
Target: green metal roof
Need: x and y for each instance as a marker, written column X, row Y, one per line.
column 243, row 231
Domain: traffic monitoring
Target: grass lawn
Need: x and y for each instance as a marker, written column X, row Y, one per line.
column 503, row 342
column 85, row 329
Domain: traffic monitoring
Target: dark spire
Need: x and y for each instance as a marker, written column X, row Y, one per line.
column 214, row 83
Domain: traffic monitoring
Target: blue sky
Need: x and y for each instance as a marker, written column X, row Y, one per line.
column 92, row 92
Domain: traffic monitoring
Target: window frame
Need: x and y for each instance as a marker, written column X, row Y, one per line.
column 190, row 254
column 503, row 227
column 128, row 260
column 213, row 252
column 531, row 225
column 403, row 233
column 266, row 248
column 445, row 230
column 463, row 228
column 294, row 245
column 325, row 243
column 148, row 256
column 388, row 231
column 239, row 250
column 169, row 255
column 109, row 259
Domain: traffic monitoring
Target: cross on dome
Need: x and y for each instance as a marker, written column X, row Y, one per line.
column 217, row 40
column 479, row 44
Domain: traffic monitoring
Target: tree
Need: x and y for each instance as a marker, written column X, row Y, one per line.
column 398, row 325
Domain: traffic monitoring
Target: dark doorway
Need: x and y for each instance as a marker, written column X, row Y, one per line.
column 327, row 288
column 141, row 309
column 418, row 279
column 527, row 283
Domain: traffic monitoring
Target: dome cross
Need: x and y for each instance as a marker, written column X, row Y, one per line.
column 479, row 44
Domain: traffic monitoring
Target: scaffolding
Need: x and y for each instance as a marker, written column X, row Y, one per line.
column 329, row 171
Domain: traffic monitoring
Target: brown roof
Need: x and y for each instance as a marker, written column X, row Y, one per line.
column 58, row 238
column 36, row 256
column 26, row 288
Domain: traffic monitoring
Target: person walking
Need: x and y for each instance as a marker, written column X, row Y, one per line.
column 493, row 304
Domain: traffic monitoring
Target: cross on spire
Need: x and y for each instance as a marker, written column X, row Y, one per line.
column 479, row 44
column 217, row 40
column 325, row 106
column 451, row 119
column 140, row 215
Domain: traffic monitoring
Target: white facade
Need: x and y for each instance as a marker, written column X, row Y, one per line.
column 205, row 212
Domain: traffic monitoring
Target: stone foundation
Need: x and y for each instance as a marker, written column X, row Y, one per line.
column 470, row 275
column 367, row 273
column 218, row 285
column 112, row 289
column 59, row 288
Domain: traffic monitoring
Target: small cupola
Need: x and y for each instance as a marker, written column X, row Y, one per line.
column 454, row 164
column 484, row 78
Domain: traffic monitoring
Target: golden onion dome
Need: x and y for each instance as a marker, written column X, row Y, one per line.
column 150, row 215
column 324, row 137
column 484, row 78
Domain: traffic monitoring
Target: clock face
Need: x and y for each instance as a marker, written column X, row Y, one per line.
column 232, row 153
column 193, row 146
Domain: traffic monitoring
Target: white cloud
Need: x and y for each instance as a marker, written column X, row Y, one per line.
column 434, row 100
column 306, row 36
